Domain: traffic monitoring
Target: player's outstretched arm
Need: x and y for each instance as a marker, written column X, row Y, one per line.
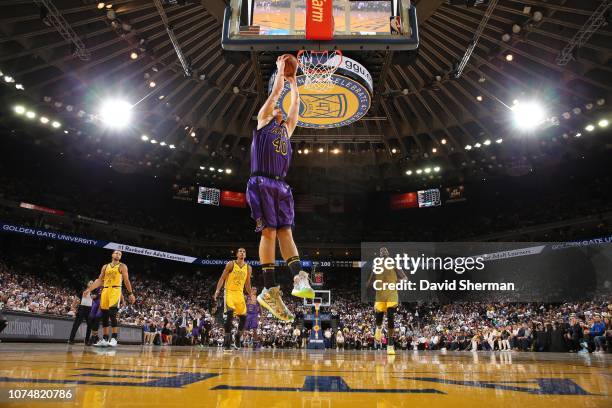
column 292, row 116
column 226, row 271
column 97, row 283
column 267, row 110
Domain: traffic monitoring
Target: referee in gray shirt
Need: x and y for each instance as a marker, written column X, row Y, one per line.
column 81, row 314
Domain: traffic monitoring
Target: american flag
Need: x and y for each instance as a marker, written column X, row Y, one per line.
column 249, row 30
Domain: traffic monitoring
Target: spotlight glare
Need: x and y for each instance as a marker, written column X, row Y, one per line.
column 468, row 147
column 201, row 167
column 220, row 170
column 409, row 172
column 193, row 134
column 528, row 115
column 101, row 5
column 44, row 120
column 134, row 55
column 419, row 171
column 306, row 151
column 211, row 168
column 434, row 150
column 509, row 57
column 228, row 171
column 437, row 169
column 603, row 123
column 336, row 151
column 56, row 124
column 443, row 141
column 152, row 84
column 20, row 87
column 162, row 144
column 30, row 115
column 394, row 150
column 299, row 151
column 153, row 141
column 20, row 110
column 427, row 170
column 8, row 79
column 498, row 141
column 172, row 146
column 578, row 134
column 116, row 113
column 486, row 142
column 589, row 127
column 479, row 98
column 144, row 138
column 477, row 145
column 320, row 150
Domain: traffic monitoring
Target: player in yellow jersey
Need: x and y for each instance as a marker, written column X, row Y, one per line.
column 236, row 277
column 111, row 277
column 386, row 302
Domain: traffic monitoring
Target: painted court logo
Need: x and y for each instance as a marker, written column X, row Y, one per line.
column 344, row 103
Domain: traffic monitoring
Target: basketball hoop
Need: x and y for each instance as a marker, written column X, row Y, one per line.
column 317, row 305
column 318, row 68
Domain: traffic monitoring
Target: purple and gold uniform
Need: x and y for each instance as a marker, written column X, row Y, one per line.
column 268, row 195
column 252, row 319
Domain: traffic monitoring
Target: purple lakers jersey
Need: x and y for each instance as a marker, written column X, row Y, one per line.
column 252, row 308
column 271, row 150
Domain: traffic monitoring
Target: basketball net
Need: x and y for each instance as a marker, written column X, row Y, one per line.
column 318, row 68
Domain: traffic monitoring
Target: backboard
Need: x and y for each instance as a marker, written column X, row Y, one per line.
column 323, row 295
column 280, row 25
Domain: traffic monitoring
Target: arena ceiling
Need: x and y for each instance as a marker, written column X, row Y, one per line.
column 422, row 116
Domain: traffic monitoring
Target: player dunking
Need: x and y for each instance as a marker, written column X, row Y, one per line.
column 386, row 302
column 270, row 197
column 237, row 277
column 111, row 277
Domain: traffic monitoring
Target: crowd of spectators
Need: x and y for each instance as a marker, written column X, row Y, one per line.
column 178, row 311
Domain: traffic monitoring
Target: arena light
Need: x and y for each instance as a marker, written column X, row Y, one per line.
column 152, row 84
column 172, row 146
column 486, row 142
column 468, row 147
column 437, row 169
column 220, row 170
column 144, row 138
column 153, row 141
column 134, row 55
column 116, row 113
column 101, row 5
column 394, row 150
column 20, row 87
column 228, row 171
column 434, row 150
column 419, row 171
column 299, row 151
column 590, row 127
column 30, row 115
column 578, row 134
column 44, row 120
column 477, row 145
column 479, row 98
column 427, row 170
column 528, row 115
column 306, row 151
column 56, row 124
column 193, row 134
column 8, row 79
column 321, row 150
column 499, row 141
column 409, row 172
column 20, row 110
column 211, row 168
column 336, row 151
column 443, row 141
column 162, row 144
column 603, row 123
column 509, row 57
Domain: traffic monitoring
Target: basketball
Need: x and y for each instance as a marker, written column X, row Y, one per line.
column 291, row 64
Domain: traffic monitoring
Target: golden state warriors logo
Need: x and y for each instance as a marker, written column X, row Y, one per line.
column 344, row 103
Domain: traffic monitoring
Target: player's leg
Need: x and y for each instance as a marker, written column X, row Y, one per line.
column 104, row 306
column 229, row 323
column 112, row 312
column 379, row 314
column 240, row 309
column 391, row 329
column 289, row 251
